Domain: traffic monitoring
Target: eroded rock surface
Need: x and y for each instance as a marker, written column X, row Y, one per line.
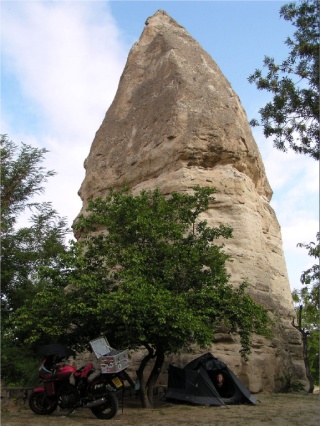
column 175, row 123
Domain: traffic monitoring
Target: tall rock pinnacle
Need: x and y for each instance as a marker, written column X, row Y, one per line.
column 175, row 123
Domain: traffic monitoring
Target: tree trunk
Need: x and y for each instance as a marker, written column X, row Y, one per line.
column 143, row 384
column 304, row 335
column 306, row 361
column 147, row 386
column 155, row 374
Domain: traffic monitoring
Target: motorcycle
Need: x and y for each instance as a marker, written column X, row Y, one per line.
column 66, row 387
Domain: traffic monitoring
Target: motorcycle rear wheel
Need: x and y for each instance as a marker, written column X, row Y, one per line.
column 107, row 410
column 41, row 404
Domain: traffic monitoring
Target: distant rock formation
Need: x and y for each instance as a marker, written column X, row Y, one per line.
column 176, row 122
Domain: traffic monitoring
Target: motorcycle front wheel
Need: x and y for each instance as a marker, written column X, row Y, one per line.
column 41, row 404
column 108, row 409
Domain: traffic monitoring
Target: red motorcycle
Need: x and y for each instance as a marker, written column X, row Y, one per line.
column 69, row 388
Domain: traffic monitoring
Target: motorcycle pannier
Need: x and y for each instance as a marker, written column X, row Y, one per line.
column 112, row 360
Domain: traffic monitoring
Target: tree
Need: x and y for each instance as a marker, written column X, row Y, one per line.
column 25, row 251
column 291, row 118
column 148, row 274
column 21, row 179
column 307, row 302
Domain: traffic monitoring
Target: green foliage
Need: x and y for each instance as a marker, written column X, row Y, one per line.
column 312, row 275
column 291, row 118
column 307, row 306
column 27, row 253
column 289, row 385
column 147, row 272
column 21, row 179
column 19, row 366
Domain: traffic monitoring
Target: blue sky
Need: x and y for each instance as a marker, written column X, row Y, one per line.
column 60, row 66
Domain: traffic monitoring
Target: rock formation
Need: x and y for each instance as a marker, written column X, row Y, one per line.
column 176, row 122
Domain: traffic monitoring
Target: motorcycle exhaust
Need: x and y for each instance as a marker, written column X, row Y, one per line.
column 95, row 403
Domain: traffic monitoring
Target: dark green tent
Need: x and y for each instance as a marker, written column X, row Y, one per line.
column 196, row 383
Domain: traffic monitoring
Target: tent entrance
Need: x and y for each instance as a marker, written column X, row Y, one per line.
column 223, row 383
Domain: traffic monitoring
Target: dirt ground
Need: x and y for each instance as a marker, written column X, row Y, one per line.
column 272, row 409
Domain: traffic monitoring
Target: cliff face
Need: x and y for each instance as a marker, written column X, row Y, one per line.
column 175, row 123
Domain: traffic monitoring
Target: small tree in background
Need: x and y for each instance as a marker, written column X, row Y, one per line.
column 25, row 251
column 307, row 301
column 291, row 118
column 149, row 274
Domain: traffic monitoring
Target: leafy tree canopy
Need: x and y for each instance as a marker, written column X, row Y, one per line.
column 26, row 252
column 22, row 178
column 291, row 118
column 147, row 272
column 307, row 306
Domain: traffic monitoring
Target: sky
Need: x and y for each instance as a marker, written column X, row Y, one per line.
column 61, row 62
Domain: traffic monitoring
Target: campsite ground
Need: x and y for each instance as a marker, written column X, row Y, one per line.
column 273, row 409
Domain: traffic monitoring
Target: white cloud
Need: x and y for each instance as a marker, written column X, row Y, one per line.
column 294, row 179
column 67, row 59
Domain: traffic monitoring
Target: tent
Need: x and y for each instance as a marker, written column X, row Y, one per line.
column 196, row 383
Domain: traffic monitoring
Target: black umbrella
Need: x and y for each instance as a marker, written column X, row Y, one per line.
column 56, row 349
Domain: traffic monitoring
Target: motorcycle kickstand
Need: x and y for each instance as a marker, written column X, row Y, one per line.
column 70, row 412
